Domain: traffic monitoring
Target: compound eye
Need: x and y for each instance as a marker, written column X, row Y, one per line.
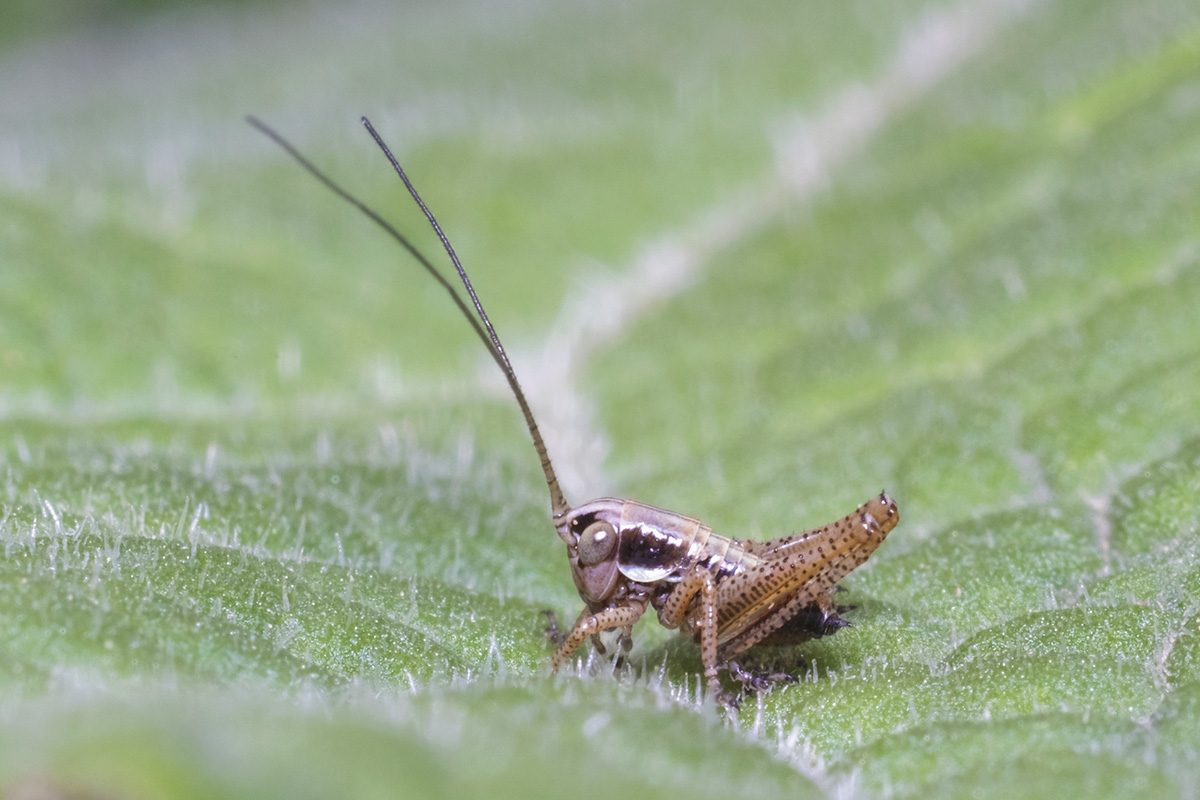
column 596, row 542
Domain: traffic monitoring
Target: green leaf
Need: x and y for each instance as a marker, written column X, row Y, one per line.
column 271, row 526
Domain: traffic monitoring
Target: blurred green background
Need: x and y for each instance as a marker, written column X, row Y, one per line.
column 272, row 528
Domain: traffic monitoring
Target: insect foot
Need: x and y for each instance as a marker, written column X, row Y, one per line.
column 757, row 681
column 554, row 634
column 627, row 557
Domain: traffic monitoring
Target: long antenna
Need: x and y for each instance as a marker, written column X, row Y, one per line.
column 558, row 503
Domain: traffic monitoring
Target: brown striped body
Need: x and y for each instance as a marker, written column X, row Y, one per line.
column 729, row 594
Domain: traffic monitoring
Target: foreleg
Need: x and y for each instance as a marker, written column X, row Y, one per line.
column 589, row 624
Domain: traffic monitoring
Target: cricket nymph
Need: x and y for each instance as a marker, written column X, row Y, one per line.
column 728, row 594
column 626, row 557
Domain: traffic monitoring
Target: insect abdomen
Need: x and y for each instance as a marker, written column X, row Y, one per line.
column 793, row 571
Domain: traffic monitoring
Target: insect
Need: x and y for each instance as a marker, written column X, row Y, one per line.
column 628, row 557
